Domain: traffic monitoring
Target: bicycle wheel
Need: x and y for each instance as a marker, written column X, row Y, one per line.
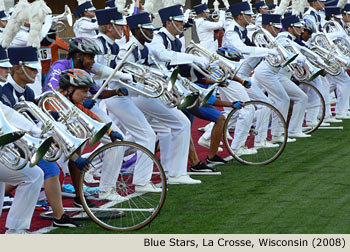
column 265, row 116
column 137, row 209
column 315, row 109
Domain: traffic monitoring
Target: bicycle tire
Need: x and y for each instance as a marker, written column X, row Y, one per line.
column 263, row 156
column 135, row 213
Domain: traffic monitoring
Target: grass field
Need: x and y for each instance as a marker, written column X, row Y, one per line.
column 307, row 190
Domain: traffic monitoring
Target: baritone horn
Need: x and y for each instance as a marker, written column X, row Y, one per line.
column 77, row 122
column 263, row 38
column 67, row 143
column 8, row 133
column 56, row 23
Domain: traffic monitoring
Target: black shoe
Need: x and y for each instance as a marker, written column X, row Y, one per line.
column 65, row 221
column 77, row 203
column 215, row 161
column 200, row 167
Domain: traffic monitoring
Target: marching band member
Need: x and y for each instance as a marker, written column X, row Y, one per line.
column 25, row 64
column 268, row 78
column 314, row 13
column 111, row 24
column 166, row 48
column 86, row 25
column 28, row 180
column 316, row 7
column 341, row 82
column 260, row 8
column 206, row 28
column 237, row 36
column 5, row 66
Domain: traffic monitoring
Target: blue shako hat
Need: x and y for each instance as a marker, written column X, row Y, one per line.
column 346, row 9
column 109, row 16
column 271, row 19
column 173, row 12
column 240, row 8
column 140, row 20
column 291, row 20
column 200, row 8
column 333, row 11
column 87, row 6
column 259, row 5
column 24, row 55
column 110, row 4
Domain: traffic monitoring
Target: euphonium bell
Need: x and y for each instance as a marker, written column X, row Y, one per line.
column 37, row 147
column 77, row 122
column 8, row 133
column 67, row 143
column 187, row 98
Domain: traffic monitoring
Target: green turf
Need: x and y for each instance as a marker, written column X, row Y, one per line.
column 305, row 191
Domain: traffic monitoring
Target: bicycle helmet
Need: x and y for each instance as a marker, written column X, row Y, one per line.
column 83, row 45
column 230, row 53
column 309, row 25
column 75, row 77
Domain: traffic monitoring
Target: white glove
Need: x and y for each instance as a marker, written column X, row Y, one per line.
column 201, row 61
column 35, row 132
column 215, row 64
column 273, row 52
column 126, row 77
column 300, row 59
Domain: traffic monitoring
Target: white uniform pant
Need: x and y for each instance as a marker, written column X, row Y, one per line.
column 300, row 100
column 281, row 90
column 131, row 118
column 174, row 145
column 326, row 95
column 28, row 181
column 340, row 83
column 236, row 92
column 314, row 103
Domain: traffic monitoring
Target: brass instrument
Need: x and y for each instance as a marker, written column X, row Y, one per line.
column 8, row 133
column 150, row 82
column 329, row 52
column 66, row 143
column 55, row 22
column 14, row 156
column 263, row 38
column 214, row 74
column 307, row 71
column 77, row 122
column 343, row 43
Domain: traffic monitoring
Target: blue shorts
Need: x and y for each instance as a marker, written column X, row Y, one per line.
column 207, row 112
column 50, row 169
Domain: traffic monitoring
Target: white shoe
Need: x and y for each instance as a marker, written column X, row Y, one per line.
column 311, row 123
column 206, row 143
column 280, row 139
column 324, row 124
column 265, row 144
column 184, row 179
column 331, row 119
column 228, row 158
column 89, row 178
column 229, row 137
column 148, row 188
column 206, row 127
column 245, row 151
column 17, row 231
column 299, row 135
column 111, row 195
column 342, row 116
